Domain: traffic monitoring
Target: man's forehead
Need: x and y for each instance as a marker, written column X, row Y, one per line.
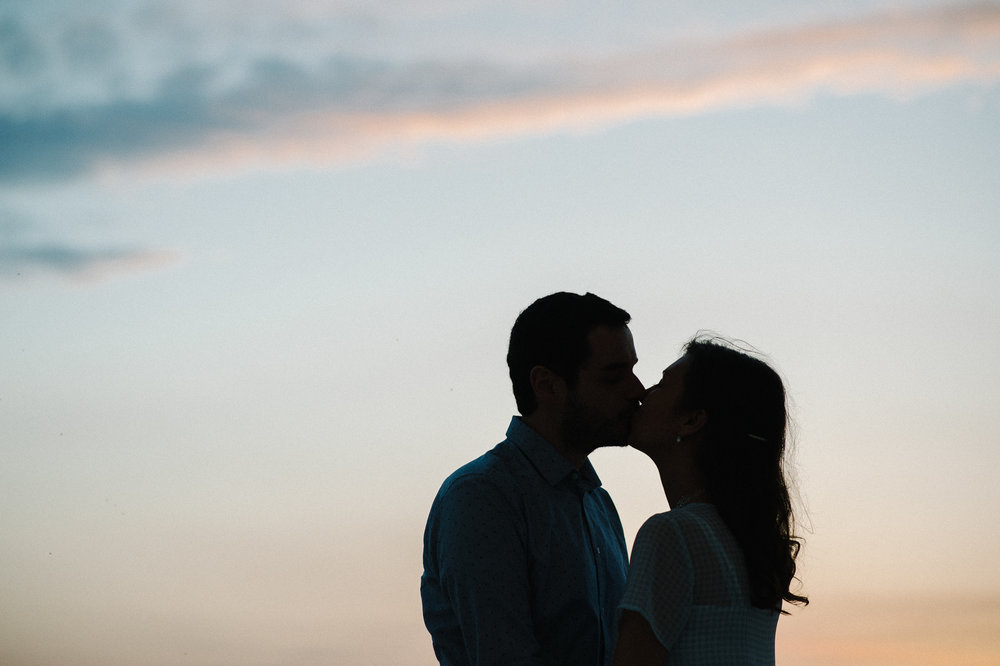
column 610, row 348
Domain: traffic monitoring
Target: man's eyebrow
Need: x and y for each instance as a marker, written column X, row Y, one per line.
column 620, row 365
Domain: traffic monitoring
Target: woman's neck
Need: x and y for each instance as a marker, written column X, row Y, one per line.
column 682, row 483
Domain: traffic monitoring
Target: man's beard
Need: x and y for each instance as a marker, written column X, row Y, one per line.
column 583, row 431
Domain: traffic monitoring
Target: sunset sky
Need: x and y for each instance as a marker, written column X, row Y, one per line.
column 259, row 262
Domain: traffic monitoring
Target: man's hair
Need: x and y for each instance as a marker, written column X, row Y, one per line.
column 552, row 332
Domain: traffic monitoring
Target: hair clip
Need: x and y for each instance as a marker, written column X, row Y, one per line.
column 757, row 437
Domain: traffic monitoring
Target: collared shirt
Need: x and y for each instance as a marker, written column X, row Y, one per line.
column 524, row 560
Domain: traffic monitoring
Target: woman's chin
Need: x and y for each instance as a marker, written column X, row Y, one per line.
column 639, row 445
column 653, row 447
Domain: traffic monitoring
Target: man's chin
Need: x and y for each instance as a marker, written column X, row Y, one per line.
column 607, row 444
column 608, row 434
column 618, row 440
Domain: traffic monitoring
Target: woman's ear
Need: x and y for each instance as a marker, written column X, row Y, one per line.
column 693, row 423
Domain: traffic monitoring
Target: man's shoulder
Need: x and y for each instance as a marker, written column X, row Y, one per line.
column 489, row 486
column 498, row 466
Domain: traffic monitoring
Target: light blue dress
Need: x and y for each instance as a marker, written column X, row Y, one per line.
column 688, row 579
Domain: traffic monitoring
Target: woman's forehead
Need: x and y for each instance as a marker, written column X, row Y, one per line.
column 677, row 367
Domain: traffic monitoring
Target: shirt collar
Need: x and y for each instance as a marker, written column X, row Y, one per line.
column 549, row 463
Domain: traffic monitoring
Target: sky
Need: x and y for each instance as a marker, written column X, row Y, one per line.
column 259, row 262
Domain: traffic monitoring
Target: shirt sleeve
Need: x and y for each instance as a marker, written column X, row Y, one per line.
column 483, row 568
column 660, row 578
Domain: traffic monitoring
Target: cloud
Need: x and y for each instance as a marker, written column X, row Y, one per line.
column 21, row 259
column 282, row 109
column 20, row 55
column 75, row 263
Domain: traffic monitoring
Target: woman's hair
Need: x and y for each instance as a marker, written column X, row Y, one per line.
column 742, row 460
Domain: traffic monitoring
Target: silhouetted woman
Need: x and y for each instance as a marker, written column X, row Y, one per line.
column 707, row 579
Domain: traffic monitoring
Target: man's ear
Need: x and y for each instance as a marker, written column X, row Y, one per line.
column 693, row 423
column 547, row 385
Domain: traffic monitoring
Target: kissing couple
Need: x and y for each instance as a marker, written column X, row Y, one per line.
column 524, row 557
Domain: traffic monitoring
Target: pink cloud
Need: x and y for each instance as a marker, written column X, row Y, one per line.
column 898, row 55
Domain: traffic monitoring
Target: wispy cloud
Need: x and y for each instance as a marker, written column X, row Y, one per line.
column 76, row 263
column 337, row 107
column 22, row 259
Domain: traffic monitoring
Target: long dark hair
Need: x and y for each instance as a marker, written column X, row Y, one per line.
column 742, row 458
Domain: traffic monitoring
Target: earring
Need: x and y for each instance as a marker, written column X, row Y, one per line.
column 678, row 439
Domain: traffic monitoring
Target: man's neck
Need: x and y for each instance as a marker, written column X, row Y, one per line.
column 549, row 430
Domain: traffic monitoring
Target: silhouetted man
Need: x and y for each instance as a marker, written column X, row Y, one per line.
column 524, row 554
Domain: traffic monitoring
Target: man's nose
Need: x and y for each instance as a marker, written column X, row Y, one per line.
column 638, row 390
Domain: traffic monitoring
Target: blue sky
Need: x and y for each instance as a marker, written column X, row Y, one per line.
column 259, row 261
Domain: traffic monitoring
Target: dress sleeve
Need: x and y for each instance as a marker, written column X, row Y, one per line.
column 660, row 578
column 484, row 572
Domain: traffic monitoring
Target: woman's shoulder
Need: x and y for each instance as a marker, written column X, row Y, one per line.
column 669, row 526
column 685, row 512
column 661, row 548
column 681, row 524
column 659, row 522
column 688, row 513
